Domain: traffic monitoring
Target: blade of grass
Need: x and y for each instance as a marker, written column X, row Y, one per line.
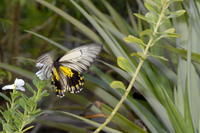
column 116, row 48
column 63, row 126
column 48, row 40
column 149, row 119
column 118, row 20
column 125, row 124
column 90, row 122
column 17, row 70
column 83, row 28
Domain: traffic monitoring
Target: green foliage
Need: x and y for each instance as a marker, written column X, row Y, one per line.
column 117, row 85
column 126, row 124
column 168, row 80
column 124, row 64
column 21, row 110
column 132, row 39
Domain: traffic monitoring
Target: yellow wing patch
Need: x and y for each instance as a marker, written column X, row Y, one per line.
column 67, row 71
column 55, row 73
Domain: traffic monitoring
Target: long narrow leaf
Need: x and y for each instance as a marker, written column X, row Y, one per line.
column 17, row 70
column 95, row 124
column 72, row 20
column 48, row 40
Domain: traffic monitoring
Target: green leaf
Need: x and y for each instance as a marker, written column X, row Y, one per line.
column 118, row 84
column 118, row 70
column 154, row 3
column 124, row 64
column 166, row 35
column 183, row 53
column 170, row 30
column 28, row 87
column 150, row 7
column 173, row 35
column 141, row 16
column 4, row 97
column 90, row 122
column 40, row 83
column 131, row 17
column 145, row 114
column 109, row 39
column 159, row 57
column 151, row 18
column 147, row 32
column 92, row 7
column 177, row 0
column 176, row 13
column 172, row 1
column 174, row 115
column 119, row 21
column 139, row 54
column 63, row 126
column 17, row 70
column 125, row 124
column 133, row 39
column 48, row 40
column 83, row 28
column 27, row 128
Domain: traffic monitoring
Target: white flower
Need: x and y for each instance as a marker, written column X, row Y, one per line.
column 18, row 85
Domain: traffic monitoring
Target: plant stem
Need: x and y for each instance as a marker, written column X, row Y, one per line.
column 149, row 44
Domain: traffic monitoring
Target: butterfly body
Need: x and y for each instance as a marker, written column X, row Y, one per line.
column 66, row 71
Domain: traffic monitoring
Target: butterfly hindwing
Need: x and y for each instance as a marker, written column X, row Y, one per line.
column 58, row 82
column 45, row 64
column 75, row 82
column 67, row 79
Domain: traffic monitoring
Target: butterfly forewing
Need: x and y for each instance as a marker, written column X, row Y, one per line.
column 79, row 59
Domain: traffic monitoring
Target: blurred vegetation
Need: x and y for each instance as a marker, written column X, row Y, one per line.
column 165, row 95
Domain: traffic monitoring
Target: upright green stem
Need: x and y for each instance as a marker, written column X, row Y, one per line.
column 149, row 44
column 13, row 98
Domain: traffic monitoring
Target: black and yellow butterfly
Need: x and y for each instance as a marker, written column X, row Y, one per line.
column 66, row 71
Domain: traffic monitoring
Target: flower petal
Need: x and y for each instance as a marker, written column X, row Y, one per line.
column 8, row 87
column 20, row 88
column 19, row 82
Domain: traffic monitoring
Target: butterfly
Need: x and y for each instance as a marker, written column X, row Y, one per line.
column 66, row 71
